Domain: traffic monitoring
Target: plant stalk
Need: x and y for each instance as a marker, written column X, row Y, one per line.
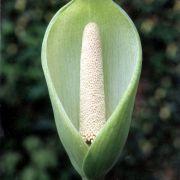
column 100, row 178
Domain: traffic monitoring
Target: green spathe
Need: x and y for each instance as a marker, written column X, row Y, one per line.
column 121, row 51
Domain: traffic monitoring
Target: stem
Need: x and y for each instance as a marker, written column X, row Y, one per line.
column 100, row 178
column 93, row 0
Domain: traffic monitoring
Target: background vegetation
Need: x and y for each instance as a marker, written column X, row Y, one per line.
column 29, row 145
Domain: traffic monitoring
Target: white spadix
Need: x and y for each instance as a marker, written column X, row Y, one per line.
column 92, row 100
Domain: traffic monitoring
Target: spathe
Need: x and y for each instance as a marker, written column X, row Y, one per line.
column 122, row 65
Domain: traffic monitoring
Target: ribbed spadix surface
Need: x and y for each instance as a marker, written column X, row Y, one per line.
column 92, row 100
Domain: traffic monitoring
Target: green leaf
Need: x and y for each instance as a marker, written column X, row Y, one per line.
column 61, row 52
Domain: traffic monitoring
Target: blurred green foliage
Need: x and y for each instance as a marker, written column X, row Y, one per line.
column 30, row 147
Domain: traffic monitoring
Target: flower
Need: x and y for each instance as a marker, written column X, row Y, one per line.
column 119, row 49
